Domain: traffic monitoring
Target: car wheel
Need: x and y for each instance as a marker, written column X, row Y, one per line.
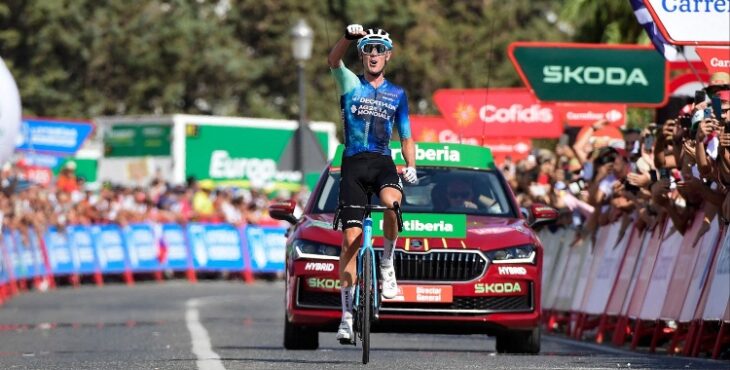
column 519, row 341
column 297, row 337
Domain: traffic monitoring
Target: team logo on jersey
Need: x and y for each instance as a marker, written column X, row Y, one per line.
column 353, row 109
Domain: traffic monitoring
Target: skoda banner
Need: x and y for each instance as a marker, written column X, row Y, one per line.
column 499, row 113
column 9, row 112
column 598, row 73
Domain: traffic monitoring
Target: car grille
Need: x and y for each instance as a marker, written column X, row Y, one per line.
column 437, row 265
column 460, row 305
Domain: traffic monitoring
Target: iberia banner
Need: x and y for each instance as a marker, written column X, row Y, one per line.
column 498, row 113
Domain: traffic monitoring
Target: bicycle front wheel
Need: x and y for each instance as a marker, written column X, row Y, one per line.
column 366, row 301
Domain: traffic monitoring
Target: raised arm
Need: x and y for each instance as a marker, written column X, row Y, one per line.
column 352, row 32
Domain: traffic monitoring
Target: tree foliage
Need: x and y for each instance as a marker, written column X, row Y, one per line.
column 83, row 58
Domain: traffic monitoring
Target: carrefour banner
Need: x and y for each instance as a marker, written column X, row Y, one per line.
column 215, row 246
column 109, row 246
column 60, row 255
column 82, row 248
column 266, row 248
column 174, row 249
column 142, row 247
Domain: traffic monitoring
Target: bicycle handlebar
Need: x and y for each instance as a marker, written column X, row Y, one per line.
column 368, row 208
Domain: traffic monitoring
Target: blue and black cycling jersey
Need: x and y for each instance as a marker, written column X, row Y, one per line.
column 370, row 113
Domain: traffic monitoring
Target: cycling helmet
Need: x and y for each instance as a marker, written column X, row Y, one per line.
column 376, row 36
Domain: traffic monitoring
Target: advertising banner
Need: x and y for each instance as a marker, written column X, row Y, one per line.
column 598, row 73
column 718, row 294
column 51, row 136
column 173, row 239
column 437, row 129
column 608, row 265
column 138, row 140
column 700, row 273
column 217, row 152
column 4, row 277
column 142, row 247
column 83, row 249
column 499, row 113
column 110, row 248
column 215, row 246
column 60, row 254
column 715, row 59
column 29, row 254
column 586, row 114
column 658, row 285
column 267, row 248
column 692, row 22
column 627, row 272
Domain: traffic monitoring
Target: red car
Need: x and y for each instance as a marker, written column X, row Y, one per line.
column 466, row 262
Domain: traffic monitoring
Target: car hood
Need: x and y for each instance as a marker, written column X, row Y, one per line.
column 483, row 232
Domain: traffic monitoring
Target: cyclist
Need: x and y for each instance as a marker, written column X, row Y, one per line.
column 371, row 106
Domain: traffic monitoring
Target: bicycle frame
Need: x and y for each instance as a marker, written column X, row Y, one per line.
column 367, row 247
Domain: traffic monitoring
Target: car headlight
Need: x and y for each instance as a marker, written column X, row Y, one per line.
column 518, row 254
column 307, row 249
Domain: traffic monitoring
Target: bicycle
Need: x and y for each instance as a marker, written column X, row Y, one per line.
column 367, row 297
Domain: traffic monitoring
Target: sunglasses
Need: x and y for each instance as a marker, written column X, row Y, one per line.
column 459, row 195
column 379, row 48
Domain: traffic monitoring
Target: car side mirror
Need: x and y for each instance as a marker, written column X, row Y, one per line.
column 541, row 215
column 283, row 211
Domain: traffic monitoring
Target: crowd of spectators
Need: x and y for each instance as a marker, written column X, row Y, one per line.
column 69, row 201
column 673, row 169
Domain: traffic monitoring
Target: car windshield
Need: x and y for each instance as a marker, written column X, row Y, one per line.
column 439, row 190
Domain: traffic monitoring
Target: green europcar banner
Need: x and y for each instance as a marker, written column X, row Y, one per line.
column 138, row 140
column 426, row 225
column 241, row 156
column 596, row 73
column 437, row 155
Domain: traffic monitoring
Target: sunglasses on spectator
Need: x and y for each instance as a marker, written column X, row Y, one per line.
column 379, row 48
column 459, row 195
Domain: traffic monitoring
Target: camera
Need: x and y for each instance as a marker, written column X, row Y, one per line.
column 576, row 187
column 664, row 173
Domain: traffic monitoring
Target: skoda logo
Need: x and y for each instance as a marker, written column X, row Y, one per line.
column 416, row 244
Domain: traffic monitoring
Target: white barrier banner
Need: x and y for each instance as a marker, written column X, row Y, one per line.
column 700, row 272
column 719, row 294
column 662, row 274
column 608, row 267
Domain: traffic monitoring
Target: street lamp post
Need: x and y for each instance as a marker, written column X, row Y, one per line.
column 302, row 36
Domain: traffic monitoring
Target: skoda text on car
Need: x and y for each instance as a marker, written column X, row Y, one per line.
column 463, row 266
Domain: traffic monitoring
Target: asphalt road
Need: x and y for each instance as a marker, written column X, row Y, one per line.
column 235, row 326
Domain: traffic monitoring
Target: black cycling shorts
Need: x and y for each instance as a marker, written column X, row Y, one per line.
column 364, row 173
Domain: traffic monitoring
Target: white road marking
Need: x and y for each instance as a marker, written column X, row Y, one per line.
column 202, row 349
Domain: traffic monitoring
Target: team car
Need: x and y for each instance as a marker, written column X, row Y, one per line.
column 467, row 261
